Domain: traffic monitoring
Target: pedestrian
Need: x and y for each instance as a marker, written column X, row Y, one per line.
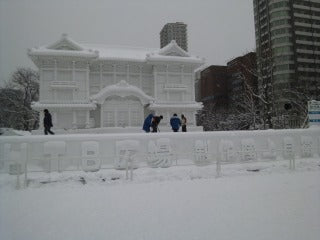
column 155, row 122
column 183, row 123
column 47, row 122
column 147, row 123
column 175, row 122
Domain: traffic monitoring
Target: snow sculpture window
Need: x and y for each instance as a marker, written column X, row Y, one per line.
column 64, row 120
column 64, row 75
column 64, row 95
column 175, row 96
column 107, row 79
column 81, row 119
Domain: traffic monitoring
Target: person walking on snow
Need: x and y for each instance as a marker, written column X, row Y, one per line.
column 183, row 123
column 155, row 122
column 147, row 123
column 47, row 122
column 175, row 122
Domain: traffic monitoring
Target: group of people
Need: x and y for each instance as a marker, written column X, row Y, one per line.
column 152, row 121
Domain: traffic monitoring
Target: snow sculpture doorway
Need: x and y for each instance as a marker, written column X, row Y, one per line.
column 122, row 105
column 122, row 112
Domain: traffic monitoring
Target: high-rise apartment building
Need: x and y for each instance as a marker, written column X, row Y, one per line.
column 288, row 56
column 174, row 31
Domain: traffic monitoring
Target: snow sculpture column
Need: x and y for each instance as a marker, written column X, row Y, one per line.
column 87, row 81
column 41, row 127
column 74, row 121
column 87, row 119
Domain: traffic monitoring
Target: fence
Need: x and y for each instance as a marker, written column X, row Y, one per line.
column 92, row 152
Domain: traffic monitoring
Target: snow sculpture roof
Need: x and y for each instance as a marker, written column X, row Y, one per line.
column 126, row 53
column 173, row 49
column 122, row 89
column 173, row 53
column 65, row 46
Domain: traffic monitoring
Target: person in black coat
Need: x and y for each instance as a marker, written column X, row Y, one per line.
column 155, row 122
column 47, row 122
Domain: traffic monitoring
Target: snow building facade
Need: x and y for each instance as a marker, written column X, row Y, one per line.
column 97, row 86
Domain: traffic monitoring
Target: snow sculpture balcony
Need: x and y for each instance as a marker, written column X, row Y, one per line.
column 175, row 87
column 63, row 85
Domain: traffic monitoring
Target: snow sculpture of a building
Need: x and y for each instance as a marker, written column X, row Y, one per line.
column 96, row 86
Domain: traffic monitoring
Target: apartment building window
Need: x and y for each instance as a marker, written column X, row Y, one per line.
column 284, row 49
column 279, row 5
column 282, row 40
column 280, row 31
column 280, row 22
column 280, row 14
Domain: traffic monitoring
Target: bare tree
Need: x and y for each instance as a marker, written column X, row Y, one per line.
column 16, row 98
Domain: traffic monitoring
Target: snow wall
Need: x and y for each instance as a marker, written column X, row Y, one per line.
column 91, row 152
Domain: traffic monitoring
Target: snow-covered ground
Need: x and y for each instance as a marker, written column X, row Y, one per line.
column 185, row 202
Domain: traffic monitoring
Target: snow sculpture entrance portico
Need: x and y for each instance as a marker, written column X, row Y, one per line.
column 121, row 105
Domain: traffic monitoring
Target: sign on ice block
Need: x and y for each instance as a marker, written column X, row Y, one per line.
column 314, row 113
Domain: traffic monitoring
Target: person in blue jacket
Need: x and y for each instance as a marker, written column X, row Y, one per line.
column 175, row 123
column 147, row 123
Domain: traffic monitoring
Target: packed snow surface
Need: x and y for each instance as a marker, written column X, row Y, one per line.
column 187, row 202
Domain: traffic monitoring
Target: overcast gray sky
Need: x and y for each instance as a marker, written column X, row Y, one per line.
column 218, row 30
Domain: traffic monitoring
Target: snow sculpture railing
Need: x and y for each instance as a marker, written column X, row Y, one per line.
column 91, row 152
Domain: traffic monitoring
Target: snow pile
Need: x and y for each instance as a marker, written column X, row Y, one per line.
column 178, row 203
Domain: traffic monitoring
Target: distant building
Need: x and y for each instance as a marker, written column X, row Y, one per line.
column 214, row 86
column 100, row 86
column 288, row 55
column 243, row 81
column 174, row 31
column 226, row 90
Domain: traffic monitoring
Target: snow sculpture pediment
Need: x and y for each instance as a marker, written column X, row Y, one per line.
column 173, row 49
column 65, row 43
column 122, row 89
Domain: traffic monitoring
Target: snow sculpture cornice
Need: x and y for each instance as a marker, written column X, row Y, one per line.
column 122, row 89
column 173, row 106
column 40, row 106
